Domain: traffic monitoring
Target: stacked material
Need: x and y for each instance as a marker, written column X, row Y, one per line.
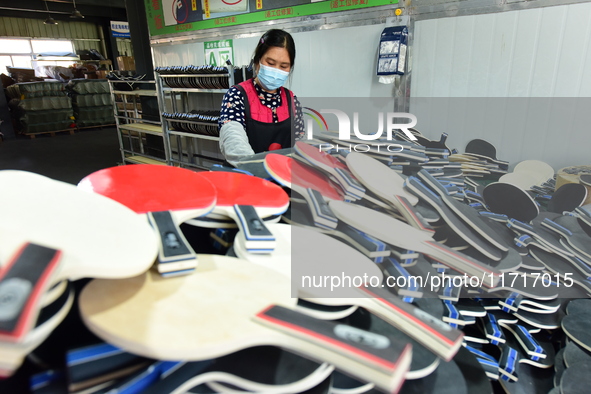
column 91, row 101
column 40, row 107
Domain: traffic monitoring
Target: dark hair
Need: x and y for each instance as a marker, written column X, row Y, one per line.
column 274, row 38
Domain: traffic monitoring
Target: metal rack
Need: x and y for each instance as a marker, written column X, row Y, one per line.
column 132, row 128
column 188, row 149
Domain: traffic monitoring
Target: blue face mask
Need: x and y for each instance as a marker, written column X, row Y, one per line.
column 271, row 78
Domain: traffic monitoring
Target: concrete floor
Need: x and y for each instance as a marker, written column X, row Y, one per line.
column 65, row 157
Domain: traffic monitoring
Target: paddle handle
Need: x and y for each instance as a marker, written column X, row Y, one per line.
column 396, row 270
column 497, row 217
column 175, row 255
column 384, row 354
column 321, row 212
column 258, row 238
column 492, row 330
column 529, row 344
column 462, row 263
column 418, row 188
column 412, row 216
column 433, row 183
column 23, row 282
column 349, row 184
column 431, row 332
column 508, row 363
column 521, row 226
column 557, row 228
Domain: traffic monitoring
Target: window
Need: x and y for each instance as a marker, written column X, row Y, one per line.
column 12, row 51
column 10, row 45
column 47, row 46
column 20, row 52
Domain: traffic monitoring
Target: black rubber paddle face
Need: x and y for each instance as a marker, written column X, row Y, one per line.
column 532, row 380
column 576, row 379
column 511, row 201
column 481, row 147
column 585, row 179
column 568, row 197
column 447, row 378
column 575, row 307
column 576, row 327
column 574, row 354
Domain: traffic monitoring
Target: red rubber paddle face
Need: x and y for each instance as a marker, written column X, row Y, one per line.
column 314, row 154
column 152, row 188
column 292, row 173
column 241, row 189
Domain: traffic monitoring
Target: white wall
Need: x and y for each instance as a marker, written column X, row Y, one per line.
column 540, row 53
column 329, row 63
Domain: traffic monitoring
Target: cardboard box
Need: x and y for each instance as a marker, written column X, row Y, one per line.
column 126, row 63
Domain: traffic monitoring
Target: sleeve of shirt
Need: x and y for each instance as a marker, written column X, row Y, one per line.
column 234, row 142
column 299, row 120
column 232, row 109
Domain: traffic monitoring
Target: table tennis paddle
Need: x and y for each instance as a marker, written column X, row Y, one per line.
column 468, row 214
column 13, row 354
column 576, row 327
column 45, row 241
column 511, row 201
column 575, row 379
column 574, row 354
column 242, row 304
column 167, row 196
column 456, row 224
column 532, row 380
column 332, row 166
column 319, row 255
column 523, row 180
column 246, row 200
column 387, row 185
column 578, row 306
column 397, row 233
column 567, row 197
column 569, row 229
column 542, row 169
column 308, row 183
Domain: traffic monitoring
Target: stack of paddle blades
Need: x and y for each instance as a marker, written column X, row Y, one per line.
column 454, row 286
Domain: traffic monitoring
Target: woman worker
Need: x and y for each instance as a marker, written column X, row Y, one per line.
column 259, row 114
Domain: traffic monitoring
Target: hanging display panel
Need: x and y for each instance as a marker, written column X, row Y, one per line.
column 167, row 17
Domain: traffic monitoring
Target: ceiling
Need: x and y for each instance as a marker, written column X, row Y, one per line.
column 96, row 11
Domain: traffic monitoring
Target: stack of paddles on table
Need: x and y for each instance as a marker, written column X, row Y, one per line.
column 526, row 274
column 344, row 274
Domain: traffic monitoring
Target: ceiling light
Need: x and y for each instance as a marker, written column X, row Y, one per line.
column 49, row 20
column 76, row 14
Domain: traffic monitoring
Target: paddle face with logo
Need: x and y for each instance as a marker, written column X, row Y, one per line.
column 167, row 196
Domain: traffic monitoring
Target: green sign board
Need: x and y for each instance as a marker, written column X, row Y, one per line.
column 167, row 17
column 218, row 52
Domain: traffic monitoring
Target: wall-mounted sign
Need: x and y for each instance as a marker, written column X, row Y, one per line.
column 218, row 52
column 175, row 16
column 120, row 29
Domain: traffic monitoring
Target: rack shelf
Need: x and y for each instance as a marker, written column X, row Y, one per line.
column 184, row 148
column 133, row 130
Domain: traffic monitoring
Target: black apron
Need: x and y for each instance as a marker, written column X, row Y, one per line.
column 261, row 135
